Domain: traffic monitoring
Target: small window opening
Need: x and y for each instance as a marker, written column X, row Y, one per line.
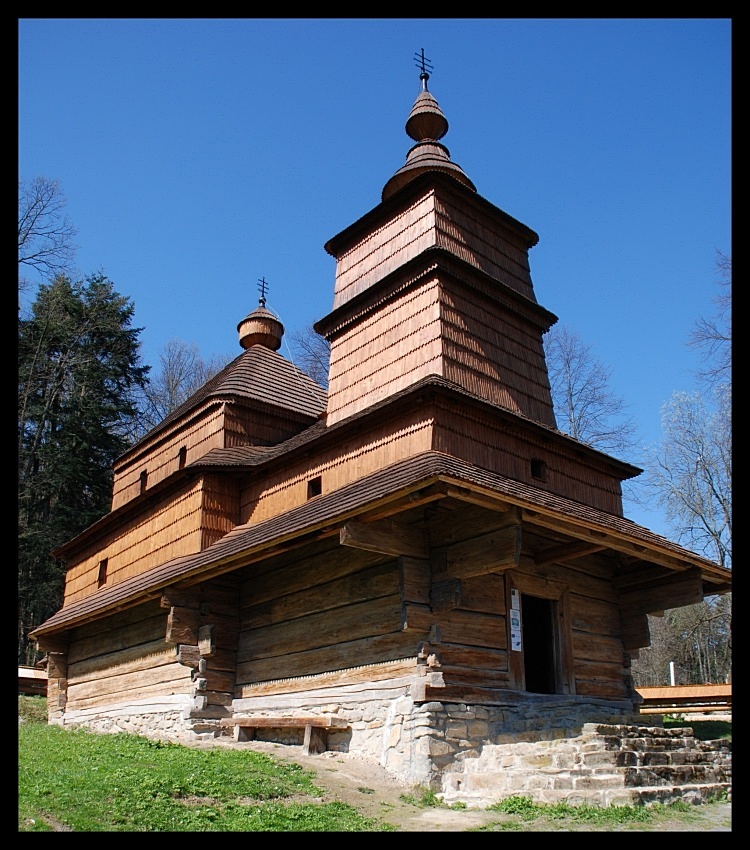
column 102, row 577
column 144, row 481
column 538, row 469
column 182, row 458
column 314, row 487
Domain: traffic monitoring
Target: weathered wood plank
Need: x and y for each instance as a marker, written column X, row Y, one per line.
column 414, row 579
column 472, row 628
column 118, row 637
column 594, row 616
column 296, row 722
column 385, row 536
column 484, row 594
column 346, row 657
column 591, row 647
column 129, row 660
column 674, row 591
column 331, row 563
column 363, row 619
column 371, row 583
column 136, row 681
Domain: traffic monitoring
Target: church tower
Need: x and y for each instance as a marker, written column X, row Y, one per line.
column 435, row 281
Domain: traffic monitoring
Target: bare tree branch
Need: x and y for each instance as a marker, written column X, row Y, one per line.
column 45, row 234
column 585, row 406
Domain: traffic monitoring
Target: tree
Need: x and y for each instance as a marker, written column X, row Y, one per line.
column 712, row 336
column 45, row 234
column 78, row 365
column 585, row 406
column 182, row 372
column 312, row 353
column 689, row 473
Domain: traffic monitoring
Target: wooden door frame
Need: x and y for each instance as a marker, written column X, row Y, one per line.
column 559, row 594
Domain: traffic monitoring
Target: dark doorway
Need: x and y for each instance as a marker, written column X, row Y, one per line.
column 538, row 644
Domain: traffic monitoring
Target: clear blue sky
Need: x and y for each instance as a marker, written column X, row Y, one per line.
column 199, row 155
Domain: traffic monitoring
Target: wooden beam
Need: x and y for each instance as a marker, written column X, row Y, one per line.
column 674, row 590
column 386, row 537
column 484, row 501
column 566, row 552
column 182, row 626
column 487, row 553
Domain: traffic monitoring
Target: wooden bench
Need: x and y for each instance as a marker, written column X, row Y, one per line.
column 316, row 729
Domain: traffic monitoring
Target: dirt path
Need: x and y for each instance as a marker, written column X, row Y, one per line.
column 376, row 794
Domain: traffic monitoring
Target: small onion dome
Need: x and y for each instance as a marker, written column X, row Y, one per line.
column 426, row 124
column 261, row 327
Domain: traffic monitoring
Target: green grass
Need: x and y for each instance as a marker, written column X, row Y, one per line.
column 85, row 782
column 704, row 730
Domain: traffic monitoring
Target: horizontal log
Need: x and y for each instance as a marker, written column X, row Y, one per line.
column 385, row 536
column 347, row 622
column 140, row 657
column 120, row 636
column 169, row 679
column 493, row 552
column 358, row 587
column 672, row 591
column 317, row 665
column 469, row 628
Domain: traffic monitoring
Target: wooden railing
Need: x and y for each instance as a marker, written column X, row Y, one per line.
column 681, row 699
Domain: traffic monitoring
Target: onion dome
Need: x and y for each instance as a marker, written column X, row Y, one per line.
column 261, row 327
column 426, row 124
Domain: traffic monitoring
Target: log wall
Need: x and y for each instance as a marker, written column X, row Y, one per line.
column 313, row 614
column 326, row 613
column 122, row 659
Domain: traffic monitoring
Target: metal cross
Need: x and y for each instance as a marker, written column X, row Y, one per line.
column 424, row 64
column 262, row 288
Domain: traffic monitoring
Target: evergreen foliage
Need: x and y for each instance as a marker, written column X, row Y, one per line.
column 79, row 368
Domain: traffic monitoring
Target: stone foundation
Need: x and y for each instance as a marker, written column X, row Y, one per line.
column 549, row 748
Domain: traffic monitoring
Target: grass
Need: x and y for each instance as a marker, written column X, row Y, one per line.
column 527, row 816
column 73, row 780
column 704, row 730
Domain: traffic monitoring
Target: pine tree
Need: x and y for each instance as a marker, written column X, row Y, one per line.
column 79, row 366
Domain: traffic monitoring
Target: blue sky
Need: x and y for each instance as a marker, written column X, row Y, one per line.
column 199, row 155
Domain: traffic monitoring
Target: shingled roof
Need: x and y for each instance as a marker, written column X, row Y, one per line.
column 257, row 375
column 330, row 511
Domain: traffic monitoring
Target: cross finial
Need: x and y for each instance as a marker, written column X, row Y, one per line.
column 262, row 288
column 425, row 67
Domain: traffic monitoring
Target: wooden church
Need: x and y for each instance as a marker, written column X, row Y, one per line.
column 415, row 566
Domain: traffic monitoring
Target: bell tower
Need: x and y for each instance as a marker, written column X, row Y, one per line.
column 435, row 280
